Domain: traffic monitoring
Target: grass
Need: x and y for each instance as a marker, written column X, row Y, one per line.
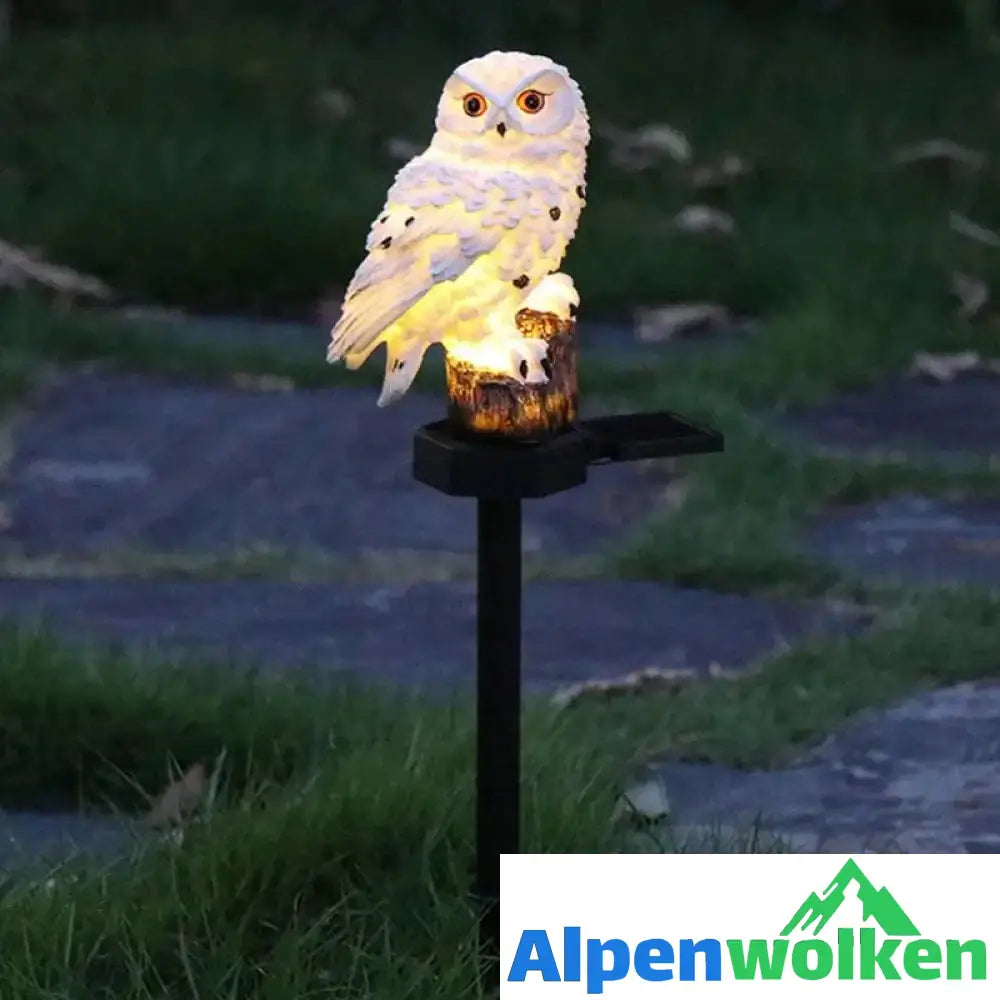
column 333, row 860
column 275, row 562
column 332, row 856
column 116, row 720
column 76, row 720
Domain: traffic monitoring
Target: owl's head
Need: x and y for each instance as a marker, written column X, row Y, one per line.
column 508, row 97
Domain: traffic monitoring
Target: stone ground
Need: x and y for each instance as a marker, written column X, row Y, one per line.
column 423, row 634
column 947, row 420
column 121, row 464
column 920, row 777
column 915, row 539
column 911, row 538
column 125, row 462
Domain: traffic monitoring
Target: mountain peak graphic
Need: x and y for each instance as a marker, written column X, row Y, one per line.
column 878, row 904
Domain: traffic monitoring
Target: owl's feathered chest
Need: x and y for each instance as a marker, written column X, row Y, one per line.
column 540, row 196
column 456, row 239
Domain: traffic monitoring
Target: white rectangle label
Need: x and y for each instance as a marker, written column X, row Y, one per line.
column 766, row 925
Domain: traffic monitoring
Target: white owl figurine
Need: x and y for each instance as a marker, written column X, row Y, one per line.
column 475, row 227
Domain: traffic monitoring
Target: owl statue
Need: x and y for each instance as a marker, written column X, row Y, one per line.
column 475, row 227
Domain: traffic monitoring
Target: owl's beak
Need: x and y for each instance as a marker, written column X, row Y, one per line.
column 502, row 129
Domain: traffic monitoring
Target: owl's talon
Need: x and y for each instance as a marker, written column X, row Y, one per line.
column 532, row 365
column 555, row 294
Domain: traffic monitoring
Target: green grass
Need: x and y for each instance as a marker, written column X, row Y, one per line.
column 333, row 852
column 276, row 562
column 84, row 727
column 115, row 721
column 38, row 338
column 333, row 857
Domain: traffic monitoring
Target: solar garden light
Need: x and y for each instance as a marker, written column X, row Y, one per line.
column 466, row 252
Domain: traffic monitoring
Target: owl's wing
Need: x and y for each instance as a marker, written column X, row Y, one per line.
column 437, row 220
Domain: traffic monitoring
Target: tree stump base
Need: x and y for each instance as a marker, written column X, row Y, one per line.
column 488, row 404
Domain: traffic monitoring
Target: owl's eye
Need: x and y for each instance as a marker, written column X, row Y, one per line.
column 474, row 104
column 531, row 101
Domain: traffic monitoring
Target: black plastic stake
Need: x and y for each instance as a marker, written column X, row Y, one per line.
column 498, row 707
column 499, row 475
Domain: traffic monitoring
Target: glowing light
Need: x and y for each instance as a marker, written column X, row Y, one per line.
column 491, row 354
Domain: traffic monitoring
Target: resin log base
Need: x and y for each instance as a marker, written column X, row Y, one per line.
column 486, row 403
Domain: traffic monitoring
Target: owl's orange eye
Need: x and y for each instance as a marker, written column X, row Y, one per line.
column 531, row 101
column 474, row 104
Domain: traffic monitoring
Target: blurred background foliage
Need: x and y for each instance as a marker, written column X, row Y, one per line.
column 498, row 22
column 117, row 121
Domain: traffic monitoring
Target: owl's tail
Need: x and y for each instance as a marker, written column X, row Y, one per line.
column 402, row 362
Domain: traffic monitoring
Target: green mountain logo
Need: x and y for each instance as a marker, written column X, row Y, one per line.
column 815, row 913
